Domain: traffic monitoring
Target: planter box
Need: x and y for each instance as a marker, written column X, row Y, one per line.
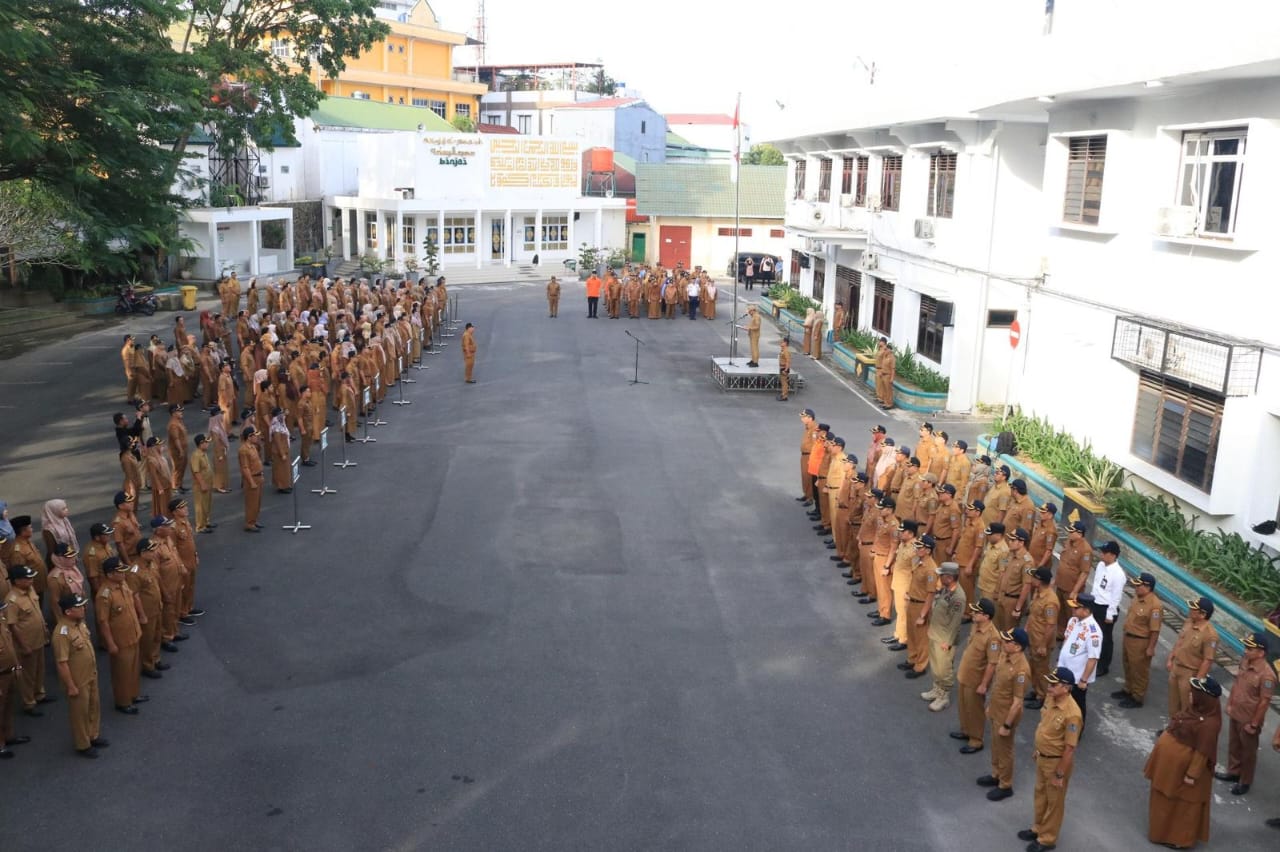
column 1080, row 506
column 1175, row 584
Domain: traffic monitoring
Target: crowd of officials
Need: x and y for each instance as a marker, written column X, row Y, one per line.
column 933, row 540
column 271, row 374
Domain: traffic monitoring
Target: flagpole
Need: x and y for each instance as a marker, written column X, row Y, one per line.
column 737, row 198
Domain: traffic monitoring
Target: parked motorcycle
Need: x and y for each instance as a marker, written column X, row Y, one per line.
column 131, row 302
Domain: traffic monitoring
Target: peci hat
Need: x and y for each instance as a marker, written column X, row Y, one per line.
column 1203, row 604
column 984, row 606
column 948, row 569
column 1061, row 674
column 20, row 523
column 1144, row 579
column 1207, row 685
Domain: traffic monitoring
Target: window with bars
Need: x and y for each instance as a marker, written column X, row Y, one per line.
column 860, row 186
column 438, row 107
column 281, row 48
column 824, row 179
column 819, row 279
column 463, row 110
column 846, row 176
column 794, row 279
column 801, row 166
column 882, row 307
column 849, row 291
column 1176, row 427
column 942, row 184
column 1082, row 200
column 728, row 232
column 929, row 335
column 371, row 230
column 890, row 182
column 1209, row 179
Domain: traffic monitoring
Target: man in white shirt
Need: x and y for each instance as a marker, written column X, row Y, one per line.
column 1109, row 581
column 1081, row 647
column 694, row 291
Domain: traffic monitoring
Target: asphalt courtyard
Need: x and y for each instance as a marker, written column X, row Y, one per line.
column 551, row 610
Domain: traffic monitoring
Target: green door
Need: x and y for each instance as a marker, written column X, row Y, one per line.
column 637, row 248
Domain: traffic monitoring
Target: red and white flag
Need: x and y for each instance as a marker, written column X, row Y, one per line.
column 737, row 141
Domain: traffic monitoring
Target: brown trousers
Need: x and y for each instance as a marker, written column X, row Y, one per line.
column 252, row 505
column 917, row 637
column 187, row 600
column 1242, row 752
column 204, row 508
column 553, row 305
column 85, row 714
column 1180, row 689
column 1039, row 668
column 1137, row 667
column 126, row 670
column 1002, row 752
column 31, row 678
column 1005, row 619
column 469, row 365
column 1049, row 801
column 884, row 586
column 9, row 690
column 149, row 645
column 866, row 569
column 973, row 713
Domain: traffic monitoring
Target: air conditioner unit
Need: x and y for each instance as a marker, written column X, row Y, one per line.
column 873, row 203
column 1177, row 221
column 263, row 182
column 846, row 200
column 924, row 229
column 818, row 215
column 608, row 193
column 870, row 261
column 813, row 246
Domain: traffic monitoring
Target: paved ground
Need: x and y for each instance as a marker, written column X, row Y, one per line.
column 548, row 611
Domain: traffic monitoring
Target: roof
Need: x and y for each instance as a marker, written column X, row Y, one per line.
column 704, row 189
column 603, row 103
column 498, row 129
column 699, row 118
column 374, row 115
column 628, row 163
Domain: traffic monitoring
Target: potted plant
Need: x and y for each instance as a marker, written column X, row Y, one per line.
column 588, row 260
column 372, row 264
column 431, row 256
column 1089, row 485
column 411, row 267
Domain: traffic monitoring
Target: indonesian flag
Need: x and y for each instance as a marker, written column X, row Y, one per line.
column 737, row 141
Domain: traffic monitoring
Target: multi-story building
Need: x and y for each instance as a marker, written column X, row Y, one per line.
column 1115, row 213
column 713, row 134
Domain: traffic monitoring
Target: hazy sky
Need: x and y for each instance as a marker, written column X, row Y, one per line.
column 689, row 56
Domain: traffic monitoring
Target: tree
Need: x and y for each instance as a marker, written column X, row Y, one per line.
column 463, row 124
column 602, row 84
column 36, row 226
column 764, row 154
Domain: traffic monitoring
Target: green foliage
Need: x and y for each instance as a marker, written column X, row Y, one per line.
column 431, row 255
column 370, row 262
column 862, row 340
column 1062, row 455
column 588, row 258
column 764, row 154
column 1224, row 559
column 601, row 84
column 463, row 124
column 908, row 369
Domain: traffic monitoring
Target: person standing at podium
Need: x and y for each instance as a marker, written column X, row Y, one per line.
column 753, row 334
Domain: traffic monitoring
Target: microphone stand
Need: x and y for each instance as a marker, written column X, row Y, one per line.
column 636, row 379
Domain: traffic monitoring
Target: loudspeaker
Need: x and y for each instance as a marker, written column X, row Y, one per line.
column 576, row 215
column 944, row 314
column 804, row 261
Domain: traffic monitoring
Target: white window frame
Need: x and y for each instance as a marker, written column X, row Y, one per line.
column 282, row 48
column 438, row 107
column 466, row 224
column 1204, row 175
column 463, row 110
column 409, row 239
column 524, row 123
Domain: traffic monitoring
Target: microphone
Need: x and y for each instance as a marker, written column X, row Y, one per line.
column 633, row 337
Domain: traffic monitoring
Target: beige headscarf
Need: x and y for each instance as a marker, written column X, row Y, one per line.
column 58, row 526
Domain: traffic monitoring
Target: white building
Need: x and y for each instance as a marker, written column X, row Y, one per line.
column 713, row 131
column 531, row 111
column 627, row 125
column 1116, row 211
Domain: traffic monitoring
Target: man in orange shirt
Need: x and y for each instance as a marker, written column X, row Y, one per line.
column 593, row 295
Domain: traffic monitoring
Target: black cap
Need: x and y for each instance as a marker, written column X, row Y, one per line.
column 248, row 432
column 977, row 506
column 100, row 529
column 927, row 425
column 808, row 412
column 1021, row 535
column 1004, row 468
column 985, row 459
column 1144, row 579
column 964, row 445
column 839, row 442
column 947, row 488
column 887, row 502
column 110, row 564
column 177, row 406
column 1051, row 508
column 70, row 601
column 1078, row 526
column 146, row 544
column 994, row 528
column 21, row 572
column 65, row 549
column 1207, row 685
column 984, row 606
column 908, row 526
column 877, row 493
column 1019, row 486
column 1042, row 574
column 862, row 477
column 121, row 498
column 1203, row 604
column 905, row 450
column 823, row 427
column 913, row 461
column 1111, row 547
column 927, row 541
column 1063, row 675
column 877, row 429
column 154, row 441
column 1017, row 634
column 888, row 442
column 1255, row 640
column 1084, row 599
column 176, row 503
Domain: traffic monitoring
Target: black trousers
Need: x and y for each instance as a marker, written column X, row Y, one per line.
column 593, row 303
column 1081, row 696
column 1108, row 646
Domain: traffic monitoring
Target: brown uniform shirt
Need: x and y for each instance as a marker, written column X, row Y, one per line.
column 924, row 579
column 982, row 650
column 1014, row 573
column 946, row 521
column 94, row 555
column 969, row 542
column 25, row 553
column 997, row 501
column 1060, row 724
column 8, row 650
column 1143, row 617
column 127, row 534
column 1009, row 684
column 1253, row 688
column 26, row 619
column 1042, row 541
column 114, row 607
column 994, row 560
column 1020, row 513
column 72, row 645
column 1075, row 561
column 908, row 494
column 885, row 531
column 870, row 521
column 1042, row 619
column 958, row 474
column 1196, row 643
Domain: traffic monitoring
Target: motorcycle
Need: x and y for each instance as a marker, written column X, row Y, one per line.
column 130, row 302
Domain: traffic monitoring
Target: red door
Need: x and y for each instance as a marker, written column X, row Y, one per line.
column 674, row 245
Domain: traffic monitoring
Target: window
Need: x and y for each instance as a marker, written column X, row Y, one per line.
column 860, row 187
column 371, row 230
column 359, row 95
column 942, row 185
column 523, row 122
column 794, row 279
column 882, row 307
column 846, row 176
column 929, row 336
column 555, row 233
column 643, row 125
column 824, row 179
column 1082, row 200
column 463, row 110
column 390, row 99
column 493, row 118
column 777, row 234
column 438, row 107
column 819, row 277
column 1175, row 427
column 419, row 102
column 430, row 235
column 281, row 48
column 399, row 48
column 459, row 235
column 800, row 170
column 1209, row 179
column 391, row 48
column 849, row 293
column 728, row 232
column 409, row 239
column 890, row 181
column 1001, row 319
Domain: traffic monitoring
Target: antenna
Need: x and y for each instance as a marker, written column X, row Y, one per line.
column 480, row 35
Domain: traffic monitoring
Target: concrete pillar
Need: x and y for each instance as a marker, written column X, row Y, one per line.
column 440, row 238
column 573, row 230
column 537, row 232
column 508, row 247
column 213, row 250
column 288, row 242
column 479, row 239
column 399, row 239
column 255, row 240
column 362, row 233
column 599, row 226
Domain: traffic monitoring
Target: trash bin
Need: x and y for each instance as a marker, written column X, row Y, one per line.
column 189, row 297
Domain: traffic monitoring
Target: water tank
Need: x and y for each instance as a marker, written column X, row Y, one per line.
column 601, row 160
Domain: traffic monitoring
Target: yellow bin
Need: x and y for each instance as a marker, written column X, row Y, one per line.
column 189, row 297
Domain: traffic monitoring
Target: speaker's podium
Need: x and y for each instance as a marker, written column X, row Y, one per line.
column 733, row 374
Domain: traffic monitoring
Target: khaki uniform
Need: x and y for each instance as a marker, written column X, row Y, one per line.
column 117, row 615
column 866, row 536
column 924, row 579
column 994, row 560
column 72, row 646
column 1250, row 696
column 145, row 584
column 945, row 528
column 177, row 446
column 958, row 467
column 753, row 336
column 1074, row 564
column 1059, row 729
column 23, row 615
column 944, row 627
column 184, row 541
column 1043, row 539
column 1042, row 630
column 1021, row 513
column 10, row 689
column 172, row 577
column 202, row 487
column 1012, row 577
column 127, row 534
column 1141, row 629
column 553, row 298
column 982, row 651
column 94, row 555
column 903, row 563
column 250, row 482
column 25, row 553
column 784, row 371
column 831, row 493
column 806, row 447
column 997, row 500
column 885, row 540
column 908, row 494
column 1007, row 688
column 1196, row 644
column 856, row 513
column 968, row 545
column 469, row 352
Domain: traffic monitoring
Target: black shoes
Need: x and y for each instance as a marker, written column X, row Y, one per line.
column 308, row 463
column 1129, row 703
column 969, row 749
column 898, row 646
column 181, row 637
column 46, row 699
column 90, row 752
column 1120, row 694
column 1026, row 834
column 1037, row 846
column 196, row 613
column 889, row 640
column 152, row 673
column 958, row 735
column 913, row 674
column 169, row 646
column 999, row 794
column 32, row 712
column 904, row 666
column 98, row 742
column 187, row 621
column 12, row 741
column 163, row 667
column 988, row 781
column 1240, row 790
column 128, row 711
column 880, row 622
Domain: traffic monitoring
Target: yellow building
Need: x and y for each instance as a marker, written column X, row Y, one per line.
column 413, row 67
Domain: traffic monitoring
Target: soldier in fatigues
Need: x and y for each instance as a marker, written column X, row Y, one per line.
column 1042, row 630
column 1192, row 654
column 78, row 671
column 945, row 610
column 120, row 617
column 1141, row 635
column 1057, row 736
column 1004, row 709
column 977, row 667
column 1247, row 710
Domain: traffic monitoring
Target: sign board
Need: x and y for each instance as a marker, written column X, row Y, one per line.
column 1015, row 334
column 377, row 382
column 342, row 413
column 366, row 397
column 297, row 470
column 400, row 363
column 324, row 434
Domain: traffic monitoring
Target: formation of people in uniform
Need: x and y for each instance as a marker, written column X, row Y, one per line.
column 933, row 540
column 645, row 291
column 309, row 353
